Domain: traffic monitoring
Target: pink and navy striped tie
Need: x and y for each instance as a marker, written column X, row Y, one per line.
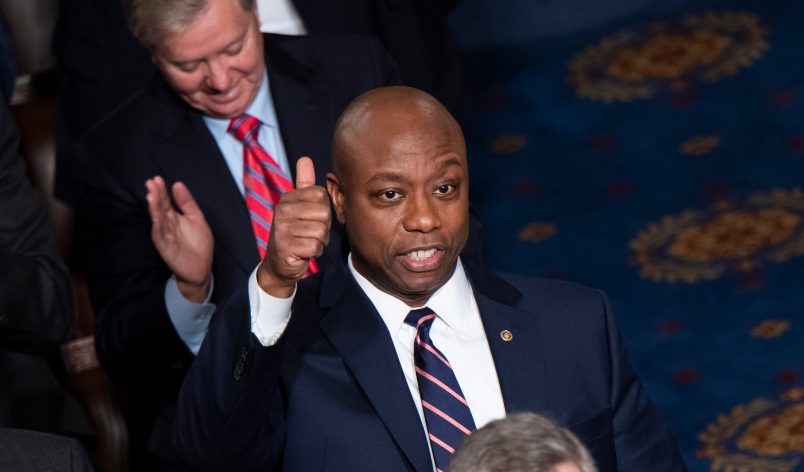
column 263, row 181
column 446, row 412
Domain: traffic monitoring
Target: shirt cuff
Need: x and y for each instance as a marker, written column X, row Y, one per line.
column 190, row 320
column 269, row 315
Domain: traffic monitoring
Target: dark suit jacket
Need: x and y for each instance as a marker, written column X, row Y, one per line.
column 30, row 451
column 414, row 32
column 311, row 80
column 99, row 65
column 36, row 302
column 8, row 67
column 332, row 396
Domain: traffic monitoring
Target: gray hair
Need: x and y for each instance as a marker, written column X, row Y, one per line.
column 150, row 20
column 521, row 442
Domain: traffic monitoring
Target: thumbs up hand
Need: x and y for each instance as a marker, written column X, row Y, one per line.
column 299, row 232
column 305, row 173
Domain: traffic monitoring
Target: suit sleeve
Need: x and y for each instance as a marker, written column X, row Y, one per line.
column 641, row 439
column 36, row 300
column 230, row 413
column 135, row 338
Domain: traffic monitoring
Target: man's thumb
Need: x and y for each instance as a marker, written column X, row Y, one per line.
column 305, row 173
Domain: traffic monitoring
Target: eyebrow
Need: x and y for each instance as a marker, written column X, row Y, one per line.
column 395, row 177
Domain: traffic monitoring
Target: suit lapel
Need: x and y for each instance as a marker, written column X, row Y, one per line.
column 303, row 107
column 519, row 361
column 189, row 153
column 357, row 332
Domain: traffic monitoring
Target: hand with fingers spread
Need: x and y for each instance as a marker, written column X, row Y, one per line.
column 182, row 237
column 299, row 232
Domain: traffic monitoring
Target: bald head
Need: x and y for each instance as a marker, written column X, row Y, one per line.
column 386, row 114
column 400, row 185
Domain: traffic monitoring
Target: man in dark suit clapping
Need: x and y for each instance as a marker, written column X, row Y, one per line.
column 216, row 72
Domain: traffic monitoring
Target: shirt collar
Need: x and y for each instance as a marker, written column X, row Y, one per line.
column 262, row 108
column 452, row 302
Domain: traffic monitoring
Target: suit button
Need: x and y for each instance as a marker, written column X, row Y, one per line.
column 506, row 335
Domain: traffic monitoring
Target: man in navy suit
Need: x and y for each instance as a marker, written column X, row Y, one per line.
column 324, row 373
column 153, row 302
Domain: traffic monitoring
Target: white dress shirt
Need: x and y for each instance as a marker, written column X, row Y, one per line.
column 457, row 332
column 191, row 320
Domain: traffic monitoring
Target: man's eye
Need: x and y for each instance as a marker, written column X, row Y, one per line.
column 445, row 189
column 390, row 195
column 234, row 50
column 188, row 66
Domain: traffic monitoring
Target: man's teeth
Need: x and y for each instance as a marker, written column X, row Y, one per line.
column 421, row 255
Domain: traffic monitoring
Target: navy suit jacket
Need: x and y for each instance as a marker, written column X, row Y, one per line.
column 332, row 396
column 157, row 133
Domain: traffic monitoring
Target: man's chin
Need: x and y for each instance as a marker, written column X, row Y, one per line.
column 423, row 283
column 221, row 110
column 228, row 110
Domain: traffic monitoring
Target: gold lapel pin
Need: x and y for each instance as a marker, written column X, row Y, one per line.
column 506, row 335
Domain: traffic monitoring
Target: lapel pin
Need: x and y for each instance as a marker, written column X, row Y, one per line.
column 506, row 335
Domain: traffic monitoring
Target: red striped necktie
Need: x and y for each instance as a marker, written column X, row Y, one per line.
column 263, row 180
column 446, row 412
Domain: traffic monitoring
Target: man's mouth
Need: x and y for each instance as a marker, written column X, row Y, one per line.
column 422, row 259
column 422, row 254
column 224, row 96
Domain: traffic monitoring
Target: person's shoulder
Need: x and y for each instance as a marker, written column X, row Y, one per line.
column 322, row 43
column 542, row 294
column 338, row 58
column 564, row 306
column 543, row 285
column 152, row 111
column 126, row 120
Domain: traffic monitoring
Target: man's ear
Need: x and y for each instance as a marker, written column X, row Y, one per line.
column 154, row 51
column 335, row 190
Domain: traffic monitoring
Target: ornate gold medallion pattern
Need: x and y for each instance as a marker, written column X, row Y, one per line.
column 537, row 231
column 699, row 245
column 770, row 329
column 633, row 65
column 764, row 435
column 508, row 144
column 699, row 145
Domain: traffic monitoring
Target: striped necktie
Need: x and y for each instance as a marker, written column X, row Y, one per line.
column 263, row 181
column 446, row 412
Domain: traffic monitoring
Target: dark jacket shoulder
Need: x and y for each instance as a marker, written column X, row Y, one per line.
column 340, row 59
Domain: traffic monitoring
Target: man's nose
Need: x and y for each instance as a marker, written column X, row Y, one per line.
column 217, row 78
column 421, row 214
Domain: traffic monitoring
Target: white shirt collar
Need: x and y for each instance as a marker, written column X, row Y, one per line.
column 452, row 302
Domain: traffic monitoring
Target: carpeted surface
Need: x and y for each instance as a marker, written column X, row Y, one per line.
column 660, row 156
